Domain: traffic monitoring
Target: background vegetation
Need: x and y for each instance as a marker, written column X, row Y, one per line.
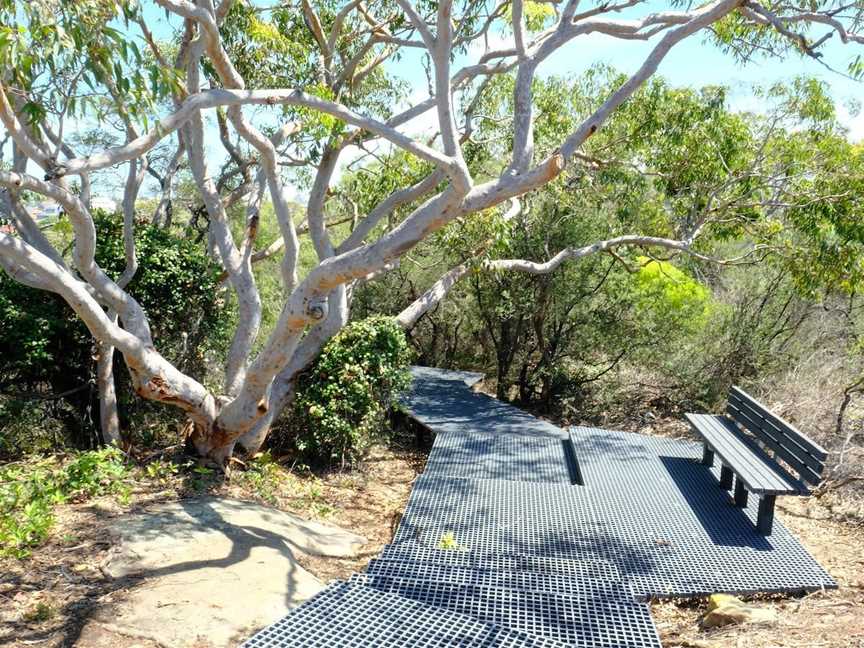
column 621, row 339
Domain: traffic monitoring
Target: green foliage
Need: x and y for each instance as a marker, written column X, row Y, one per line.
column 27, row 426
column 40, row 613
column 342, row 399
column 161, row 471
column 95, row 472
column 571, row 343
column 665, row 292
column 30, row 490
column 277, row 49
column 73, row 48
column 537, row 15
column 176, row 284
column 41, row 336
column 263, row 475
column 46, row 348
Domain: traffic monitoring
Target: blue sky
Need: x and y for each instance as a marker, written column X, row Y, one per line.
column 693, row 62
column 696, row 62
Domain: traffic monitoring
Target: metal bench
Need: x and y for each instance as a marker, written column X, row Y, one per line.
column 773, row 459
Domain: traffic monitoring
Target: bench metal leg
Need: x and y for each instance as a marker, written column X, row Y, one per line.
column 740, row 493
column 707, row 456
column 765, row 521
column 726, row 476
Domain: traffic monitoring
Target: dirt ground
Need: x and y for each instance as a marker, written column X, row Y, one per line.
column 46, row 600
column 830, row 619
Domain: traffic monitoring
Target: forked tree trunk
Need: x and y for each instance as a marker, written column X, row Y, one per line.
column 316, row 306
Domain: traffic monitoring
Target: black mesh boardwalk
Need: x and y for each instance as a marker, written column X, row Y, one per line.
column 575, row 571
column 579, row 579
column 347, row 615
column 598, row 617
column 442, row 401
column 646, row 505
column 558, row 534
column 515, row 457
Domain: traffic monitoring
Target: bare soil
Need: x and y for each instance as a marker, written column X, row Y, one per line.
column 46, row 600
column 830, row 619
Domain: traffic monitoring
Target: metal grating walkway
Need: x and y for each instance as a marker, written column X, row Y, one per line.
column 601, row 617
column 582, row 578
column 661, row 519
column 348, row 615
column 515, row 457
column 559, row 536
column 443, row 402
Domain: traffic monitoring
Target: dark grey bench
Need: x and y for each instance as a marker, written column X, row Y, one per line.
column 773, row 459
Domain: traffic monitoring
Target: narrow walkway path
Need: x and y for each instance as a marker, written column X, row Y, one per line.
column 520, row 533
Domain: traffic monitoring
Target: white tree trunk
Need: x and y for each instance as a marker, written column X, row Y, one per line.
column 109, row 419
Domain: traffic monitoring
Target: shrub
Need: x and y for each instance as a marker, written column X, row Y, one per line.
column 262, row 475
column 342, row 399
column 176, row 283
column 30, row 426
column 667, row 299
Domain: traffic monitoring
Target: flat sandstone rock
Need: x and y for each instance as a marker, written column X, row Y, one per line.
column 213, row 570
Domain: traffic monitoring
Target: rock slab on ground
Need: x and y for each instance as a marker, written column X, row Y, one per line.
column 724, row 609
column 212, row 570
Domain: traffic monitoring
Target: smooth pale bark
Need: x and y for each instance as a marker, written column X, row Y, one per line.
column 222, row 97
column 318, row 305
column 432, row 297
column 238, row 265
column 267, row 150
column 109, row 418
column 283, row 388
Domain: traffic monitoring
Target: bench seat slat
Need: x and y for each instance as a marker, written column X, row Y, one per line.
column 756, row 469
column 784, row 428
column 762, row 422
column 719, row 433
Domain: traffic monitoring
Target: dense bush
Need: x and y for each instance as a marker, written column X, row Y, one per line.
column 344, row 396
column 667, row 298
column 176, row 284
column 43, row 343
column 48, row 364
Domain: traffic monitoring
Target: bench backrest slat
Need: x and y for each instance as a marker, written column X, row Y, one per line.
column 803, row 455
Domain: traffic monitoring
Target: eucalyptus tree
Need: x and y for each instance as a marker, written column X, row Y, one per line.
column 302, row 86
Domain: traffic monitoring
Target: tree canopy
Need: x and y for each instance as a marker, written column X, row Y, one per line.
column 511, row 177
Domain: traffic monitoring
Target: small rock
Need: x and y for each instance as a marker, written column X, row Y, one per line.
column 724, row 609
column 699, row 643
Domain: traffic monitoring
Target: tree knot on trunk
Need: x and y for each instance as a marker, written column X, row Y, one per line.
column 317, row 310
